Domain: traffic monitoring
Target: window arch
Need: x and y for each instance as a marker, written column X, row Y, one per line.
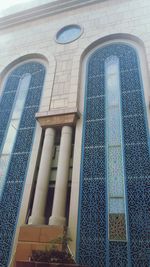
column 19, row 102
column 98, row 171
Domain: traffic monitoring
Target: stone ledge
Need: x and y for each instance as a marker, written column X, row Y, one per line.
column 57, row 118
column 41, row 233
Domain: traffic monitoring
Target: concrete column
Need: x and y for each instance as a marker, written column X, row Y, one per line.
column 37, row 216
column 59, row 203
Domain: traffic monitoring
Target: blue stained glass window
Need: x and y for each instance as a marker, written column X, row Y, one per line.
column 19, row 103
column 68, row 34
column 115, row 169
column 10, row 136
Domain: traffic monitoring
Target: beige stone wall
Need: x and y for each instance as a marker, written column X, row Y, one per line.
column 64, row 84
column 99, row 20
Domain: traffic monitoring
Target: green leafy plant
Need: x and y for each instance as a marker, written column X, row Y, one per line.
column 51, row 254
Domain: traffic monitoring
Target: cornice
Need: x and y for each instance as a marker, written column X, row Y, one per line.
column 42, row 11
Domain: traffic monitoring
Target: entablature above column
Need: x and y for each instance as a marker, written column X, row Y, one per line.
column 58, row 118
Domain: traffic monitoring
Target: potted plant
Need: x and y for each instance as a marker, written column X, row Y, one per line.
column 52, row 255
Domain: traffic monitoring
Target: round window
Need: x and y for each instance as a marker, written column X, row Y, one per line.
column 68, row 34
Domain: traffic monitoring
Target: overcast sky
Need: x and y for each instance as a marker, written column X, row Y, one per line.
column 8, row 3
column 8, row 7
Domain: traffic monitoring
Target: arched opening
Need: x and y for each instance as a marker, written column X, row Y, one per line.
column 19, row 102
column 113, row 209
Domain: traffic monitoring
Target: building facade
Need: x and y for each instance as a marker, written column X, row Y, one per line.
column 74, row 131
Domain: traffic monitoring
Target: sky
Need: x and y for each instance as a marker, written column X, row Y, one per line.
column 8, row 7
column 8, row 3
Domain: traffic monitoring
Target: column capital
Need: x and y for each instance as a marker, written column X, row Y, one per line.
column 50, row 131
column 66, row 130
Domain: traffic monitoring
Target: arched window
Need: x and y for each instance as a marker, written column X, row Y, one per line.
column 18, row 104
column 113, row 226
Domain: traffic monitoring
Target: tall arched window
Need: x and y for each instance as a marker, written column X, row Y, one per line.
column 114, row 218
column 18, row 104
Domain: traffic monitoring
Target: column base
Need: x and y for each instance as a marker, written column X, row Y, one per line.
column 36, row 220
column 57, row 220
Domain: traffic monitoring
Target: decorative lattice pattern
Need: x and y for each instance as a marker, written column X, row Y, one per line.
column 94, row 247
column 118, row 254
column 117, row 227
column 16, row 173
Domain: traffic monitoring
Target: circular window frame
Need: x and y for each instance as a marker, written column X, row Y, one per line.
column 64, row 29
